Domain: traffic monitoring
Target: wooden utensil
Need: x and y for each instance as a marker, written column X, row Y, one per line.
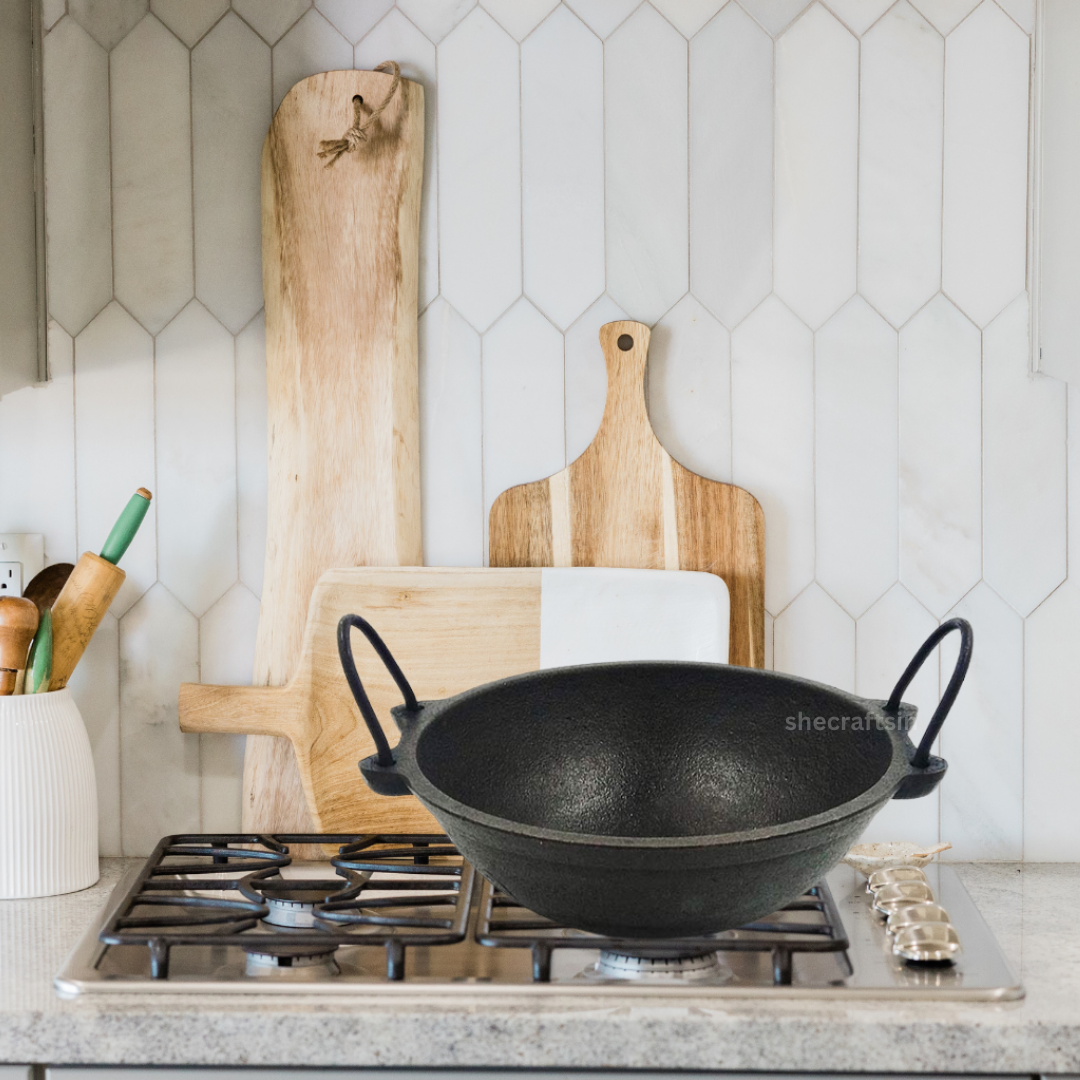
column 627, row 502
column 340, row 266
column 90, row 589
column 45, row 585
column 449, row 629
column 18, row 624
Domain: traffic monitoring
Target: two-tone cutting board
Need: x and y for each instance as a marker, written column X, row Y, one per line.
column 340, row 267
column 627, row 502
column 450, row 629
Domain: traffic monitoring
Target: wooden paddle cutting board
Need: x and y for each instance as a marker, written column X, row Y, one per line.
column 627, row 502
column 450, row 630
column 340, row 259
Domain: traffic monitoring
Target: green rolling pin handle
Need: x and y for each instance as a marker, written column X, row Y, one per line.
column 39, row 663
column 127, row 525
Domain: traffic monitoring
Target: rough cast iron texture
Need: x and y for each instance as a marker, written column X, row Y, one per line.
column 652, row 800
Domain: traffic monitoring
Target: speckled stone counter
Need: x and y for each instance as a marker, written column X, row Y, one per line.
column 1032, row 909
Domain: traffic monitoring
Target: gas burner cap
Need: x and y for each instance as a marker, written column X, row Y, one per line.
column 273, row 958
column 707, row 967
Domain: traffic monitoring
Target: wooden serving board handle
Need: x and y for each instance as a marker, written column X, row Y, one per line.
column 340, row 269
column 240, row 710
column 627, row 503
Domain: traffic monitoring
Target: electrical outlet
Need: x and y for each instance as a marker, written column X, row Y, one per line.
column 22, row 555
column 11, row 579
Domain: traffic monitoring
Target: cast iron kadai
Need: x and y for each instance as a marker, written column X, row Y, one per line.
column 654, row 800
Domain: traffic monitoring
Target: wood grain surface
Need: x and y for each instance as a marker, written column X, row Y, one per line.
column 78, row 610
column 449, row 629
column 626, row 502
column 340, row 281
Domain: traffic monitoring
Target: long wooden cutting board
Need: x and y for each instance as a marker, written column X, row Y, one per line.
column 627, row 502
column 340, row 258
column 449, row 629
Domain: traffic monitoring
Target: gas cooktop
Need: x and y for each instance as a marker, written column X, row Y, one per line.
column 406, row 914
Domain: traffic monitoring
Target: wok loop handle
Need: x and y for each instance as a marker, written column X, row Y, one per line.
column 963, row 662
column 384, row 755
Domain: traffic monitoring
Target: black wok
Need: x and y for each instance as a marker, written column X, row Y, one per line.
column 653, row 800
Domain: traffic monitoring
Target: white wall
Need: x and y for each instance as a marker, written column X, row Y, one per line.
column 822, row 208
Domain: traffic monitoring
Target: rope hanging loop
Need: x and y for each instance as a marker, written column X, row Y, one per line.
column 358, row 133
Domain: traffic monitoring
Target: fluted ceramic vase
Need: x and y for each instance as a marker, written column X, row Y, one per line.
column 48, row 797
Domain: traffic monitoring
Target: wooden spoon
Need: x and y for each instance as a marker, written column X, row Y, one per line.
column 45, row 586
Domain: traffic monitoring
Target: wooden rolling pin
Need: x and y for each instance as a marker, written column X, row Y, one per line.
column 90, row 590
column 18, row 624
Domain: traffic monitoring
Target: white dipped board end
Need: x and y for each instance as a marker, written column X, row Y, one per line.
column 594, row 616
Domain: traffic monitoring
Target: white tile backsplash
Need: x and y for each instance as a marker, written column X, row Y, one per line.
column 608, row 159
column 816, row 146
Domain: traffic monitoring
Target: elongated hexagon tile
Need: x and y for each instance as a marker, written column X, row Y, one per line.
column 903, row 66
column 230, row 108
column 398, row 38
column 775, row 15
column 436, row 18
column 196, row 458
column 226, row 658
column 984, row 230
column 1022, row 12
column 1073, row 406
column 52, row 11
column 886, row 638
column 816, row 141
column 688, row 16
column 1024, row 467
column 77, row 186
column 855, row 456
column 311, row 46
column 159, row 765
column 602, row 16
column 562, row 150
column 354, row 19
column 772, row 450
column 251, row 451
column 189, row 19
column 150, row 89
column 451, row 437
column 114, row 440
column 982, row 795
column 1051, row 741
column 859, row 15
column 815, row 638
column 40, row 421
column 940, row 467
column 271, row 21
column 731, row 165
column 946, row 15
column 523, row 402
column 108, row 22
column 689, row 380
column 479, row 170
column 95, row 686
column 586, row 375
column 519, row 18
column 646, row 192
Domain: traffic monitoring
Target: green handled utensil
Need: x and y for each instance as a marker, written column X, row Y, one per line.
column 39, row 662
column 127, row 525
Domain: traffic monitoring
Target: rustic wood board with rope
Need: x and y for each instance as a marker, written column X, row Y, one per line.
column 626, row 502
column 340, row 270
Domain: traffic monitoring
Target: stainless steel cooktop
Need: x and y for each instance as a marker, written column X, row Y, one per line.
column 405, row 915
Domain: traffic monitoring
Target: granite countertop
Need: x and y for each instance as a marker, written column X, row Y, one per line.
column 1031, row 908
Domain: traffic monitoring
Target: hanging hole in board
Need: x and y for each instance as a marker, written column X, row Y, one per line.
column 625, row 342
column 357, row 100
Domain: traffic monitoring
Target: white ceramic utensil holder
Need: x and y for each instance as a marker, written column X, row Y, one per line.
column 48, row 797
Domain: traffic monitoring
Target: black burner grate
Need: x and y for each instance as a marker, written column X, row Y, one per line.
column 810, row 924
column 217, row 890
